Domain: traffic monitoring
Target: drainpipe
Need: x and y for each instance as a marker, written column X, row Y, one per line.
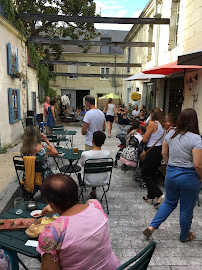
column 115, row 76
column 26, row 77
column 155, row 7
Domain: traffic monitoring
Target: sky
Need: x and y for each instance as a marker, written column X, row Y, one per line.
column 119, row 8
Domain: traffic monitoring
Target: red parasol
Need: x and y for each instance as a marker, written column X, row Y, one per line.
column 170, row 68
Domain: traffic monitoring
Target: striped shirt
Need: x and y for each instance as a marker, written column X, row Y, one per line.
column 180, row 148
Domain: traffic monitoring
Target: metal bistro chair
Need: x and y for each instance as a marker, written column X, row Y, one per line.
column 94, row 166
column 141, row 260
column 20, row 167
column 62, row 138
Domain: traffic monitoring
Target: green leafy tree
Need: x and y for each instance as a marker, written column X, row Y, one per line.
column 57, row 29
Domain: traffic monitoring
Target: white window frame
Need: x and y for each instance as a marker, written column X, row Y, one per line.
column 177, row 23
column 105, row 69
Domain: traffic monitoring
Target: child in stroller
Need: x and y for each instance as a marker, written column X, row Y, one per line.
column 124, row 134
column 129, row 155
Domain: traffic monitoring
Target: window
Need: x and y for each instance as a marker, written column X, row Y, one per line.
column 40, row 93
column 150, row 39
column 14, row 105
column 34, row 102
column 12, row 59
column 129, row 52
column 174, row 24
column 73, row 69
column 177, row 23
column 104, row 71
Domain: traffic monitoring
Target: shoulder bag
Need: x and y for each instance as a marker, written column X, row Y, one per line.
column 144, row 153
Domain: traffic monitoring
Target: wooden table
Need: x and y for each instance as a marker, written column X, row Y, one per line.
column 15, row 240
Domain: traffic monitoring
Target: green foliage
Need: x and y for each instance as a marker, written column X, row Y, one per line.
column 42, row 72
column 58, row 29
column 10, row 13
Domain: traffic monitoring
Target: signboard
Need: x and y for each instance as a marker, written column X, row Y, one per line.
column 135, row 96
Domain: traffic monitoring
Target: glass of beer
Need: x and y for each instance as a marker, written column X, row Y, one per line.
column 75, row 150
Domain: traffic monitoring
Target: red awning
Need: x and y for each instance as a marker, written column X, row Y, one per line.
column 170, row 68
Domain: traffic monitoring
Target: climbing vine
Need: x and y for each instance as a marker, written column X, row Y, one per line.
column 10, row 14
column 43, row 74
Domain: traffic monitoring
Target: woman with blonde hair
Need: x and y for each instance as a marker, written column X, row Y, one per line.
column 31, row 146
column 153, row 138
column 110, row 109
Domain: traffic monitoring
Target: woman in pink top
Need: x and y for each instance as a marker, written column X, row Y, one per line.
column 79, row 238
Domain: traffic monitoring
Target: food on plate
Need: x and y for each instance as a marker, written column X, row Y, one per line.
column 34, row 230
column 15, row 224
column 48, row 220
column 36, row 215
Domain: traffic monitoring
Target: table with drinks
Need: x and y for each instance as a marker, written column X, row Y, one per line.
column 73, row 155
column 16, row 239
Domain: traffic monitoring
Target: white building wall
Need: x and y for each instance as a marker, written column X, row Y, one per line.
column 11, row 132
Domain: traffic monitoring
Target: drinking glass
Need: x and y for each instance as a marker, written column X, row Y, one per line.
column 75, row 150
column 18, row 203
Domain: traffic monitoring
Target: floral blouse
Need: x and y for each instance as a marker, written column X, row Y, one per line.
column 80, row 241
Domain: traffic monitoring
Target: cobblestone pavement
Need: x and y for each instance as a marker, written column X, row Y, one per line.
column 130, row 215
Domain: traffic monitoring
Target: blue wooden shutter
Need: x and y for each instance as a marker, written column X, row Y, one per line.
column 9, row 59
column 10, row 105
column 18, row 101
column 17, row 68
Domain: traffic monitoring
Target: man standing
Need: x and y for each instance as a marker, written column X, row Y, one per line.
column 135, row 112
column 45, row 106
column 94, row 120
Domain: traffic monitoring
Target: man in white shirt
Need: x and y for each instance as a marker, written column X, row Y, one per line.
column 135, row 112
column 97, row 179
column 94, row 120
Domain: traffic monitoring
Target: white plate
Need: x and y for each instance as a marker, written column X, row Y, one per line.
column 36, row 212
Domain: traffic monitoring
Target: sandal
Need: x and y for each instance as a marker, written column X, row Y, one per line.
column 190, row 237
column 157, row 205
column 149, row 201
column 147, row 233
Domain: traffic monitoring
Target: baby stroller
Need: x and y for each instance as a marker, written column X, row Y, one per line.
column 121, row 135
column 130, row 157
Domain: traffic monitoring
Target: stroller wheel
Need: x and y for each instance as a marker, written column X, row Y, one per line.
column 115, row 164
column 136, row 178
column 123, row 167
column 143, row 185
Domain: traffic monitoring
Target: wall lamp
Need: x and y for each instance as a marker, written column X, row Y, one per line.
column 191, row 81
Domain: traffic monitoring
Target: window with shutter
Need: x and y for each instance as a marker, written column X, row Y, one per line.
column 12, row 59
column 14, row 105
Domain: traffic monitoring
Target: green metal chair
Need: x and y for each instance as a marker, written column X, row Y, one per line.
column 141, row 260
column 102, row 165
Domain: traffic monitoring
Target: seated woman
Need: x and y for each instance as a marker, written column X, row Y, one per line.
column 79, row 238
column 141, row 116
column 78, row 116
column 31, row 146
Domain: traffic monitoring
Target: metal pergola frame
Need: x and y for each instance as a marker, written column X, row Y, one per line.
column 61, row 41
column 94, row 64
column 83, row 19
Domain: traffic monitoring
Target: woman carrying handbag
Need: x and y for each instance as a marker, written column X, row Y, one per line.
column 182, row 152
column 153, row 139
